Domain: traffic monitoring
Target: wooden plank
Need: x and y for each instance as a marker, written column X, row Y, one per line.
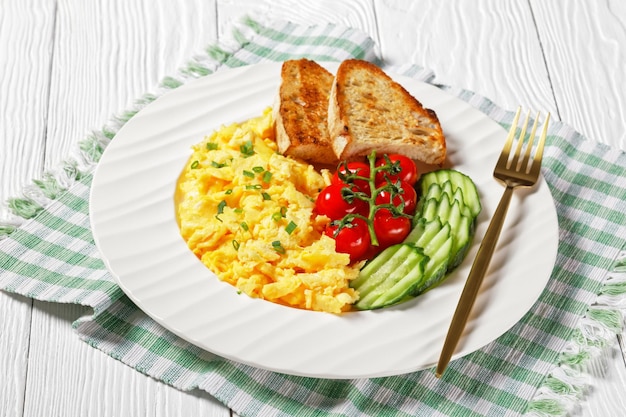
column 14, row 345
column 358, row 14
column 584, row 44
column 118, row 51
column 26, row 29
column 485, row 46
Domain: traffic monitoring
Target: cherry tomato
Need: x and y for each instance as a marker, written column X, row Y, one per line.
column 372, row 252
column 408, row 169
column 360, row 168
column 389, row 229
column 353, row 238
column 407, row 194
column 330, row 202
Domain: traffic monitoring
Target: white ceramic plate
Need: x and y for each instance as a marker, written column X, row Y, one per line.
column 134, row 226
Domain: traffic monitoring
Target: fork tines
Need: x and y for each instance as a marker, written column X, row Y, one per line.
column 525, row 145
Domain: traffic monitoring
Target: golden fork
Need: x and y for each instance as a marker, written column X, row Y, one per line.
column 517, row 170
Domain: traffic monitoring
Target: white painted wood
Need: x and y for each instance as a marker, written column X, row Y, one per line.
column 108, row 54
column 26, row 29
column 359, row 14
column 86, row 60
column 15, row 312
column 486, row 46
column 584, row 47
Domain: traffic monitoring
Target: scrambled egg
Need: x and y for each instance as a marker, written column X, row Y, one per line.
column 247, row 212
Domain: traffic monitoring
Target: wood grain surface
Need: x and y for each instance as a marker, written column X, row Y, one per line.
column 66, row 66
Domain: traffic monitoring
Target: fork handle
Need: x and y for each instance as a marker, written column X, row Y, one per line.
column 474, row 280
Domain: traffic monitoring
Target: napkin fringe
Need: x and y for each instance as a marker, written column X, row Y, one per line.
column 565, row 387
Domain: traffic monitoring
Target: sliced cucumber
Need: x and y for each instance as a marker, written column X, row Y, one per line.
column 446, row 210
column 437, row 267
column 438, row 250
column 429, row 210
column 447, row 188
column 424, row 230
column 450, row 213
column 439, row 192
column 391, row 282
column 379, row 262
column 463, row 233
column 437, row 242
column 431, row 246
column 457, row 180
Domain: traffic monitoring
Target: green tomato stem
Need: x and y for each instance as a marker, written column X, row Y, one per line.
column 374, row 193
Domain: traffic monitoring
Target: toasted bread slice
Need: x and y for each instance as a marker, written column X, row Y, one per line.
column 368, row 110
column 301, row 112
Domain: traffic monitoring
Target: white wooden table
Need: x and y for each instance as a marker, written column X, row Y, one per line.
column 67, row 65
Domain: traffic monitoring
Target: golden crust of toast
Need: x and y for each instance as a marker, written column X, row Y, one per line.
column 370, row 111
column 301, row 112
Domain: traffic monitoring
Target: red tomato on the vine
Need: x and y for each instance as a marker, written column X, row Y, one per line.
column 390, row 230
column 408, row 195
column 408, row 170
column 330, row 202
column 353, row 238
column 389, row 226
column 355, row 167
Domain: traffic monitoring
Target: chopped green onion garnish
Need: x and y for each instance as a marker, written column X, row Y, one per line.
column 280, row 214
column 238, row 210
column 278, row 247
column 244, row 226
column 266, row 196
column 217, row 164
column 195, row 164
column 235, row 244
column 228, row 192
column 253, row 187
column 211, row 146
column 291, row 227
column 258, row 169
column 220, row 206
column 267, row 176
column 249, row 174
column 247, row 149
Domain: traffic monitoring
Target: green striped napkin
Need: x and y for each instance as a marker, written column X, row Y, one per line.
column 534, row 368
